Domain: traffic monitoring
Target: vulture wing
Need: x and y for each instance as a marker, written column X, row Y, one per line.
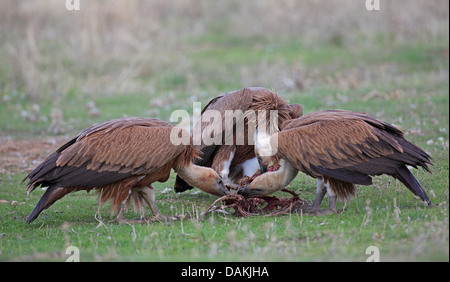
column 236, row 100
column 106, row 153
column 251, row 98
column 255, row 98
column 348, row 146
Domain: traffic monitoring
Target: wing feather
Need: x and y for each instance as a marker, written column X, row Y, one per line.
column 124, row 145
column 334, row 140
column 235, row 100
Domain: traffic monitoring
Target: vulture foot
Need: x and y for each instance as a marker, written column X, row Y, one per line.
column 315, row 209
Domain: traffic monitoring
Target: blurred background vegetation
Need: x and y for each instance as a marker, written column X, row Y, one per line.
column 61, row 71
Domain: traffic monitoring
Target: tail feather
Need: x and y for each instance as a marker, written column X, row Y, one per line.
column 414, row 156
column 37, row 176
column 406, row 177
column 343, row 190
column 52, row 194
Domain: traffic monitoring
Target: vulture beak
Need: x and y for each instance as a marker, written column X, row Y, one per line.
column 248, row 192
column 221, row 187
column 244, row 191
column 262, row 166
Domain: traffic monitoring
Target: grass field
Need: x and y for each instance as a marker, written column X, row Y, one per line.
column 62, row 71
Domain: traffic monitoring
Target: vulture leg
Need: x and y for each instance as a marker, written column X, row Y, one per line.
column 321, row 191
column 332, row 204
column 332, row 199
column 120, row 216
column 147, row 194
column 149, row 198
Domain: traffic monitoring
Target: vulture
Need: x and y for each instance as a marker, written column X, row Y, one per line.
column 121, row 159
column 340, row 149
column 235, row 160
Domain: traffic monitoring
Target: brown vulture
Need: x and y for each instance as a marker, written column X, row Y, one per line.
column 121, row 158
column 340, row 149
column 235, row 160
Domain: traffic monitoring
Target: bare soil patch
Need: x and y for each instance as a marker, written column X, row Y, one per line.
column 22, row 156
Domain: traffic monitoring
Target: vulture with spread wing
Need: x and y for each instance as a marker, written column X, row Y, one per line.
column 121, row 158
column 340, row 148
column 233, row 160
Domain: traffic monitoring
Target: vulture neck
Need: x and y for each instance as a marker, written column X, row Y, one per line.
column 271, row 182
column 201, row 177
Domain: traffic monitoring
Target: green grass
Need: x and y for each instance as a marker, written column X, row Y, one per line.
column 404, row 82
column 399, row 224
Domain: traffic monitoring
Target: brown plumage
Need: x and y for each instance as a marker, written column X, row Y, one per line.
column 121, row 158
column 341, row 148
column 234, row 161
column 295, row 111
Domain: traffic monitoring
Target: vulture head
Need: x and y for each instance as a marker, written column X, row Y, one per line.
column 216, row 185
